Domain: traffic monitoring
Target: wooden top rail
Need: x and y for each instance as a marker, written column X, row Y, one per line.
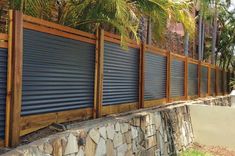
column 156, row 50
column 178, row 57
column 205, row 64
column 56, row 29
column 117, row 39
column 3, row 40
column 190, row 60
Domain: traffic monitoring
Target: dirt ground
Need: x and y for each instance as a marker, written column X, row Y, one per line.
column 213, row 150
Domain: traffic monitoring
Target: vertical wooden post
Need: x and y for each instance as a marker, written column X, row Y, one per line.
column 100, row 72
column 216, row 81
column 223, row 84
column 209, row 81
column 199, row 79
column 168, row 78
column 96, row 73
column 9, row 78
column 17, row 63
column 141, row 76
column 186, row 78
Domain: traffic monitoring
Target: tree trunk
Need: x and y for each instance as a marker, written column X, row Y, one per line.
column 200, row 37
column 186, row 43
column 149, row 32
column 214, row 35
column 203, row 39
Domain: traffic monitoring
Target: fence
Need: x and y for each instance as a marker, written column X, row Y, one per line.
column 58, row 74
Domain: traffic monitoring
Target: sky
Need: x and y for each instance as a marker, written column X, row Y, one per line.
column 233, row 3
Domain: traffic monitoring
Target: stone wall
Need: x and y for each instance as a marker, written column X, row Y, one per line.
column 213, row 101
column 149, row 132
column 154, row 131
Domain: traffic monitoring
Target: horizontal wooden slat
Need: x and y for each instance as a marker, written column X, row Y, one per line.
column 117, row 37
column 178, row 57
column 119, row 42
column 156, row 50
column 3, row 44
column 177, row 99
column 153, row 103
column 205, row 64
column 57, row 32
column 57, row 26
column 190, row 60
column 35, row 122
column 112, row 109
column 3, row 37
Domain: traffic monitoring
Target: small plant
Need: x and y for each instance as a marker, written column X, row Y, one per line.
column 232, row 83
column 192, row 152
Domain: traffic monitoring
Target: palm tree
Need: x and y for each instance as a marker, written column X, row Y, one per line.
column 123, row 15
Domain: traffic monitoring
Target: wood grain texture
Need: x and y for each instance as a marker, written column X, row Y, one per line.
column 17, row 63
column 100, row 74
column 153, row 103
column 168, row 78
column 141, row 76
column 9, row 79
column 52, row 25
column 32, row 123
column 57, row 33
column 113, row 109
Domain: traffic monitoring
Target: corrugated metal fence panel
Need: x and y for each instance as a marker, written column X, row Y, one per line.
column 121, row 74
column 220, row 84
column 225, row 82
column 58, row 73
column 155, row 76
column 212, row 84
column 192, row 79
column 3, row 84
column 204, row 80
column 177, row 78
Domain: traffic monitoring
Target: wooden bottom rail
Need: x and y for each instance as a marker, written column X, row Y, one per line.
column 32, row 123
column 120, row 108
column 192, row 97
column 152, row 103
column 177, row 99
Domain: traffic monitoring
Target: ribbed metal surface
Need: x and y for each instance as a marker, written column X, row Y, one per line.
column 220, row 82
column 58, row 73
column 177, row 78
column 3, row 84
column 204, row 80
column 212, row 83
column 121, row 74
column 192, row 79
column 155, row 76
column 225, row 81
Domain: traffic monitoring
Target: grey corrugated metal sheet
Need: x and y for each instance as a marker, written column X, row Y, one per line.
column 192, row 79
column 121, row 74
column 204, row 80
column 225, row 81
column 177, row 78
column 3, row 84
column 212, row 83
column 58, row 73
column 220, row 84
column 155, row 76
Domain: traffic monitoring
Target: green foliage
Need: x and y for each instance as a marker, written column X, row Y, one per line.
column 192, row 152
column 122, row 15
column 226, row 44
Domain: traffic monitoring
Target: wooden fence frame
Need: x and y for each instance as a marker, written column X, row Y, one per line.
column 17, row 125
column 4, row 45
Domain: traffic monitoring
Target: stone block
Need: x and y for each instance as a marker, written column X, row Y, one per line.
column 117, row 140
